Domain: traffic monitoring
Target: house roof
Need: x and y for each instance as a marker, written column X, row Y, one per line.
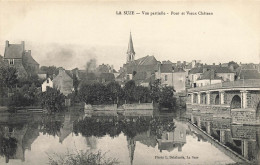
column 147, row 60
column 166, row 68
column 27, row 57
column 178, row 69
column 141, row 68
column 249, row 66
column 222, row 70
column 196, row 70
column 210, row 74
column 14, row 51
column 249, row 74
column 167, row 62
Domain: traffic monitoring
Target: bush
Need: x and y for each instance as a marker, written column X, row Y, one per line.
column 82, row 157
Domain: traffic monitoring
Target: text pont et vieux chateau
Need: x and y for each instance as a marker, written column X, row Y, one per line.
column 191, row 13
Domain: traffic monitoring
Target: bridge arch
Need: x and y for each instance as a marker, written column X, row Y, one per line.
column 235, row 102
column 217, row 100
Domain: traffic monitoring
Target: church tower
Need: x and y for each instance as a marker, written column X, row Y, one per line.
column 130, row 51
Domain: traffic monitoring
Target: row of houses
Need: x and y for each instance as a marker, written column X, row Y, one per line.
column 144, row 71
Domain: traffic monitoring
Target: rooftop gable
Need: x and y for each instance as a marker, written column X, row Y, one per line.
column 14, row 51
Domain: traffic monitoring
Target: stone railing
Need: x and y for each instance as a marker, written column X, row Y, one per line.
column 240, row 83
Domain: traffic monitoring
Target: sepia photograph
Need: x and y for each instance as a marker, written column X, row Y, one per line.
column 130, row 82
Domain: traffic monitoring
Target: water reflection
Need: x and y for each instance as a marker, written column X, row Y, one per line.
column 130, row 138
column 242, row 139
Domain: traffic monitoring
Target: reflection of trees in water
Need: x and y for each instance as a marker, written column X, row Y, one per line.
column 50, row 125
column 8, row 146
column 130, row 126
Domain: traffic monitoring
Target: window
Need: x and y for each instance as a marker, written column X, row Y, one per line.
column 47, row 81
column 165, row 77
column 11, row 61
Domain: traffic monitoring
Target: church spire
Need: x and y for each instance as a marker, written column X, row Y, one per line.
column 130, row 50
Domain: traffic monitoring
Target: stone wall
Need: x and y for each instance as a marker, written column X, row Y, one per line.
column 253, row 99
column 243, row 132
column 229, row 96
column 243, row 116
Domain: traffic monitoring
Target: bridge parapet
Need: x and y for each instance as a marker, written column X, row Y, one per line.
column 254, row 83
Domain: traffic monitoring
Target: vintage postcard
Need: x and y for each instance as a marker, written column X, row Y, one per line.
column 130, row 83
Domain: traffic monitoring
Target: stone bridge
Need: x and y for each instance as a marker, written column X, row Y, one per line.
column 239, row 100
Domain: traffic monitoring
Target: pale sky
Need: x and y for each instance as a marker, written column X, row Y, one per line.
column 68, row 34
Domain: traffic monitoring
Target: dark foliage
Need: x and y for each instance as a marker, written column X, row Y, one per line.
column 52, row 100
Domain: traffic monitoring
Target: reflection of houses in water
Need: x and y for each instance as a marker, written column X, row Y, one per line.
column 24, row 137
column 242, row 139
column 66, row 129
column 67, row 126
column 25, row 128
column 171, row 140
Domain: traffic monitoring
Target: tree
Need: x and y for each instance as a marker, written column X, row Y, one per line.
column 166, row 99
column 155, row 90
column 8, row 76
column 142, row 94
column 114, row 90
column 52, row 100
column 129, row 91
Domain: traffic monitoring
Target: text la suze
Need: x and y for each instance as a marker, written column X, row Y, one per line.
column 125, row 13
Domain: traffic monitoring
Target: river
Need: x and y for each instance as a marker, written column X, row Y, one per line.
column 164, row 138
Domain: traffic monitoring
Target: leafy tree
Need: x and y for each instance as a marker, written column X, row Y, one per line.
column 33, row 79
column 129, row 91
column 52, row 100
column 155, row 90
column 114, row 91
column 166, row 98
column 142, row 94
column 8, row 76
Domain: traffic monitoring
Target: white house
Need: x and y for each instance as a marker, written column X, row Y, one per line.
column 47, row 83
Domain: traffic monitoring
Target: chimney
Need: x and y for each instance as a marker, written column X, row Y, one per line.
column 23, row 45
column 184, row 63
column 6, row 43
column 214, row 64
column 220, row 65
